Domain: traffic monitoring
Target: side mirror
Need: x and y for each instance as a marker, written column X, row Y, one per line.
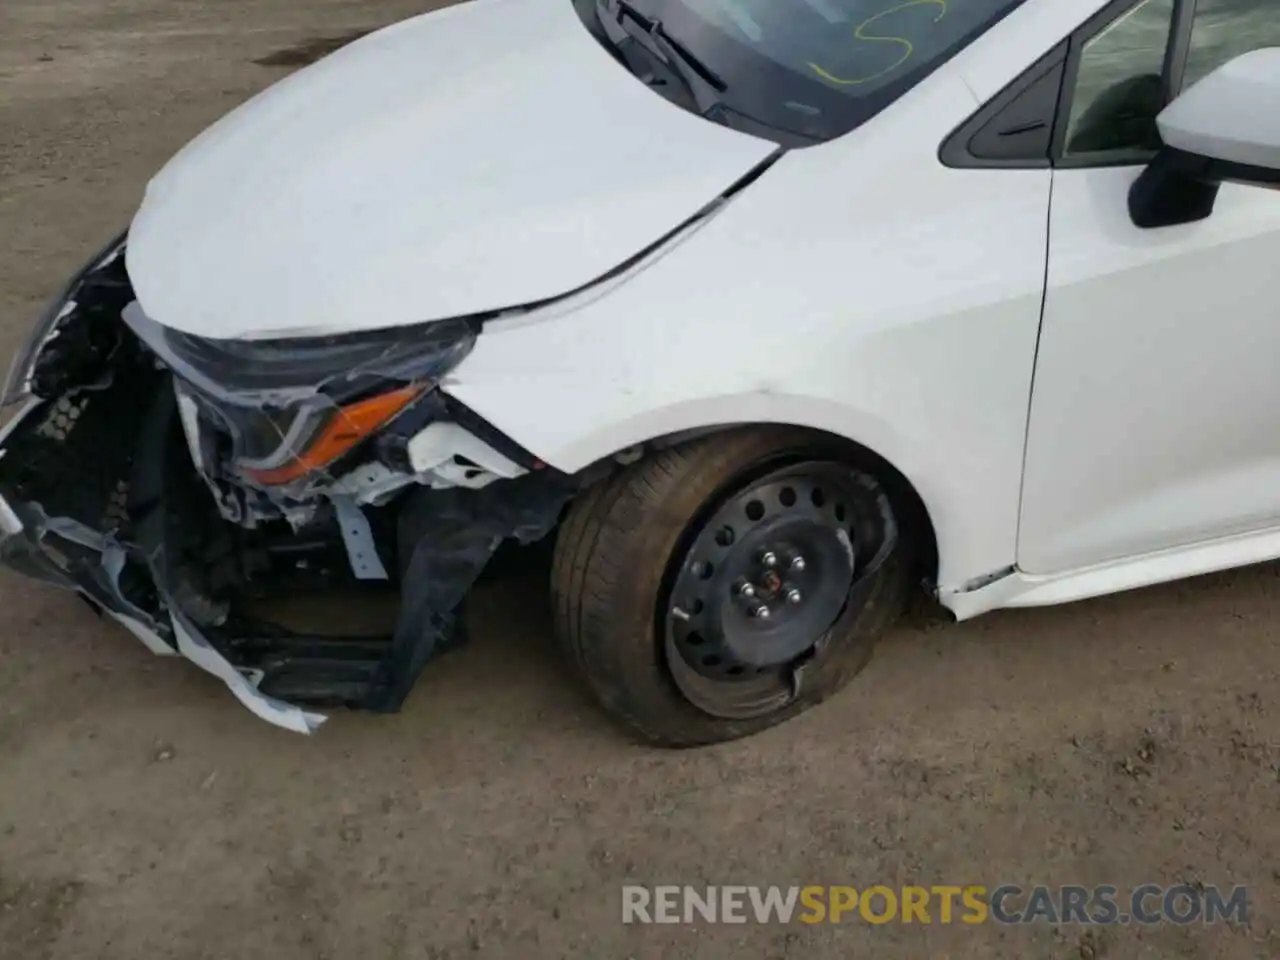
column 1226, row 128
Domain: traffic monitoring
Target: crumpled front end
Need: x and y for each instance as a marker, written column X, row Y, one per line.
column 174, row 482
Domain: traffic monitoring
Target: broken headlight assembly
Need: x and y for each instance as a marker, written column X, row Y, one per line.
column 280, row 413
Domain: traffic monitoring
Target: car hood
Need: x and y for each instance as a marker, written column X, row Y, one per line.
column 484, row 156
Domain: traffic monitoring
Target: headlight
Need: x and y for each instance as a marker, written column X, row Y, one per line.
column 290, row 408
column 39, row 359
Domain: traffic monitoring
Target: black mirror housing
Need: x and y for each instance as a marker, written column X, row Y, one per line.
column 1179, row 187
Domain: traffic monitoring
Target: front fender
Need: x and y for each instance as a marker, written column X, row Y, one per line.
column 861, row 288
column 554, row 437
column 572, row 435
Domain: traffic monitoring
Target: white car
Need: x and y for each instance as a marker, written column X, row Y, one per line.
column 773, row 308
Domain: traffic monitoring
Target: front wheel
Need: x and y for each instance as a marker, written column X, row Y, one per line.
column 720, row 587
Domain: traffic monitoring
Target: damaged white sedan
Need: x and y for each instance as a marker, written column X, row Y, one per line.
column 767, row 311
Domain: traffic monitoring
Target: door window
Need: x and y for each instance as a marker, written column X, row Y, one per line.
column 1225, row 29
column 1119, row 88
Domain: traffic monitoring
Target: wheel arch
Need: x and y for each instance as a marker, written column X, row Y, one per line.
column 913, row 488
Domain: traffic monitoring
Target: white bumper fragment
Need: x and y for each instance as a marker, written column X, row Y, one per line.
column 198, row 650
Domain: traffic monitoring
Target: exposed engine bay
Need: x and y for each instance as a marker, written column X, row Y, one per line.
column 172, row 480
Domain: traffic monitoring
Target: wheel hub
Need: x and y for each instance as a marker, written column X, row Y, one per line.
column 766, row 576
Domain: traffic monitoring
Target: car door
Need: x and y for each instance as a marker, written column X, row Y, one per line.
column 1155, row 412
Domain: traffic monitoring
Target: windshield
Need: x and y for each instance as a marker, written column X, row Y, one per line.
column 815, row 69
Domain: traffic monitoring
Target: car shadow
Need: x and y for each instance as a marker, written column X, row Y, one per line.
column 309, row 51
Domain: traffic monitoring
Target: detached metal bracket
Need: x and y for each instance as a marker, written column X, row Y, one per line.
column 357, row 537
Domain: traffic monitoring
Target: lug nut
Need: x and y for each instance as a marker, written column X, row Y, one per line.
column 762, row 612
column 794, row 596
column 798, row 564
column 747, row 590
column 680, row 614
column 769, row 559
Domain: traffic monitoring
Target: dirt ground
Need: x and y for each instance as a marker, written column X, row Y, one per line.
column 144, row 813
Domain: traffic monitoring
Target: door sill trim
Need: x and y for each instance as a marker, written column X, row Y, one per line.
column 1020, row 589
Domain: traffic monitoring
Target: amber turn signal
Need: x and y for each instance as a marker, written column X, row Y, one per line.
column 348, row 427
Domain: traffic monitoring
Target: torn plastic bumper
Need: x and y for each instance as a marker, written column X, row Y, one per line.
column 140, row 547
column 104, row 565
column 119, row 482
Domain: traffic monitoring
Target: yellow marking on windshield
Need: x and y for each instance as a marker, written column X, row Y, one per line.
column 908, row 48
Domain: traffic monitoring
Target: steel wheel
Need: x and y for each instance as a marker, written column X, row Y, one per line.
column 762, row 582
column 721, row 586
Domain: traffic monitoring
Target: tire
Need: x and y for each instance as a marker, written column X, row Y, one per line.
column 625, row 540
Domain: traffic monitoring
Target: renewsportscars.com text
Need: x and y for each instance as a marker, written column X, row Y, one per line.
column 940, row 904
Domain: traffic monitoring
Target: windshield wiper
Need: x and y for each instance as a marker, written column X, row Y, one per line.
column 703, row 83
column 672, row 47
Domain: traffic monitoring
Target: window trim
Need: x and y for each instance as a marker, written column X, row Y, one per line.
column 953, row 152
column 1175, row 60
column 956, row 150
